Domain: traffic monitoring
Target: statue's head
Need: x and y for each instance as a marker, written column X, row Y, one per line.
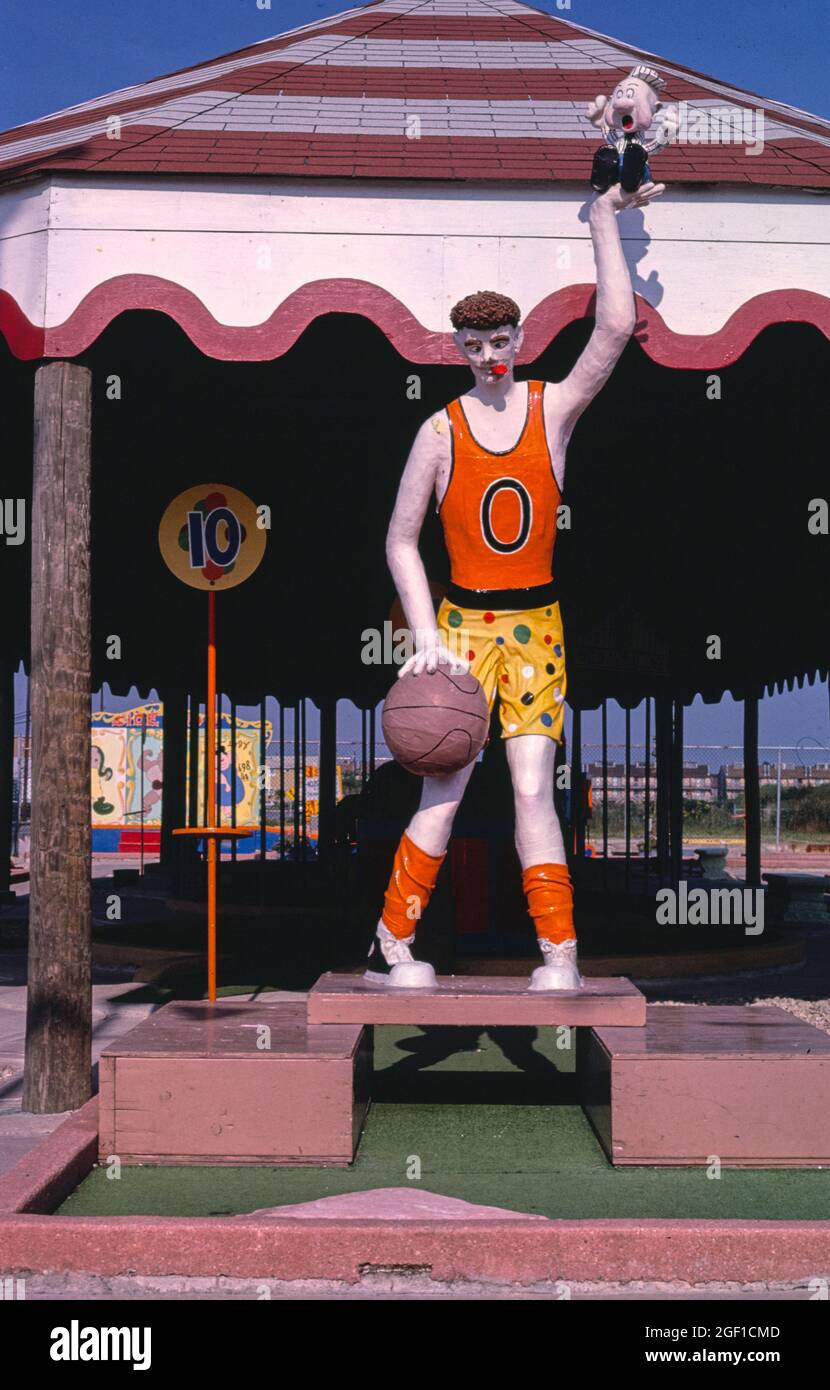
column 487, row 333
column 632, row 106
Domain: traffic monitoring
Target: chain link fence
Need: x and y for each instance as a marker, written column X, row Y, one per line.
column 794, row 783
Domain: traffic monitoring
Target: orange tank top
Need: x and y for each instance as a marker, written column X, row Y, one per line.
column 499, row 509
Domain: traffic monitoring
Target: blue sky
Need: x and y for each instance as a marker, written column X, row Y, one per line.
column 54, row 55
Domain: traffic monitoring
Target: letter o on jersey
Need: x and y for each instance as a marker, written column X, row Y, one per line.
column 526, row 515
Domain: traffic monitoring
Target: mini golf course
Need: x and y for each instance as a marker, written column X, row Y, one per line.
column 488, row 1116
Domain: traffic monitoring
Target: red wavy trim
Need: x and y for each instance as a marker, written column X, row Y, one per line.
column 268, row 340
column 25, row 340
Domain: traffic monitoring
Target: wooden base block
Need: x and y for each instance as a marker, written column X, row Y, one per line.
column 750, row 1086
column 461, row 1000
column 234, row 1082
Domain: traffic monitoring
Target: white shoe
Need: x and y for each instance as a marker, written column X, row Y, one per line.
column 560, row 970
column 391, row 963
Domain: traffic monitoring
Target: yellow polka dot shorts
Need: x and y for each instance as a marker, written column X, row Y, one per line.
column 519, row 657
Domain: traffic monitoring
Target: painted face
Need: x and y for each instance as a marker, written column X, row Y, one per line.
column 490, row 352
column 632, row 106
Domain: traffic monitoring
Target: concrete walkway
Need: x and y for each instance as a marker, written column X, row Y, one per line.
column 112, row 1015
column 395, row 1288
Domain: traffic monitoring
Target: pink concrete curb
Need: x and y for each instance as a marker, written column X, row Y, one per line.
column 50, row 1171
column 271, row 1243
column 521, row 1250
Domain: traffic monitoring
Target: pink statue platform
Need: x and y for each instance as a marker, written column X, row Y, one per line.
column 462, row 1000
column 284, row 1082
column 744, row 1084
column 238, row 1081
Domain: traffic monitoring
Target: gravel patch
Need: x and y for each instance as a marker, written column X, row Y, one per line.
column 815, row 1011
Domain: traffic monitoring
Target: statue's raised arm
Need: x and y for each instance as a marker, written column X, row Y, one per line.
column 615, row 315
column 621, row 178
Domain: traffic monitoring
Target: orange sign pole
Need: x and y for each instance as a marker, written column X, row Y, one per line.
column 211, row 832
column 205, row 531
column 210, row 810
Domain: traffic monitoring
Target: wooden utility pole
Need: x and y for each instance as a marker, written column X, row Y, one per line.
column 59, row 1010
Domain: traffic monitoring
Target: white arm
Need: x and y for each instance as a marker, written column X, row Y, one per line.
column 596, row 114
column 428, row 456
column 615, row 313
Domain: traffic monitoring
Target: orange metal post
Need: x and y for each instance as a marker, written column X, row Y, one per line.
column 210, row 831
column 210, row 816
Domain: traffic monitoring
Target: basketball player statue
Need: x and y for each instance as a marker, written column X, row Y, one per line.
column 495, row 461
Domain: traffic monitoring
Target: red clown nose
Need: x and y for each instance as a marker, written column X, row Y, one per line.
column 499, row 369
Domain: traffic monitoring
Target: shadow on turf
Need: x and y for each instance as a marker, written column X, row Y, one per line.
column 537, row 1081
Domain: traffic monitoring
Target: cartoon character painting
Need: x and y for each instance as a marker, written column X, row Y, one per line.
column 231, row 789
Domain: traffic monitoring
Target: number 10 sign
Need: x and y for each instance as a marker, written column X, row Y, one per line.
column 209, row 537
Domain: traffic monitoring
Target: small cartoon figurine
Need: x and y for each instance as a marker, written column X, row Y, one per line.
column 624, row 119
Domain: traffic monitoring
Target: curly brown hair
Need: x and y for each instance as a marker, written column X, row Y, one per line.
column 485, row 309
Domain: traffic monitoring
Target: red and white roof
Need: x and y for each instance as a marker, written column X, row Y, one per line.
column 388, row 160
column 437, row 89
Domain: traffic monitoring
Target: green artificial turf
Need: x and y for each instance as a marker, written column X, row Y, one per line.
column 490, row 1116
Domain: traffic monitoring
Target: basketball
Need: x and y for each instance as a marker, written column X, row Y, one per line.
column 436, row 723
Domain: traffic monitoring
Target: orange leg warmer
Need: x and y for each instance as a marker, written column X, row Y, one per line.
column 413, row 878
column 550, row 901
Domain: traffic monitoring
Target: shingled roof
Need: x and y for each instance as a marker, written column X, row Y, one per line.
column 439, row 89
